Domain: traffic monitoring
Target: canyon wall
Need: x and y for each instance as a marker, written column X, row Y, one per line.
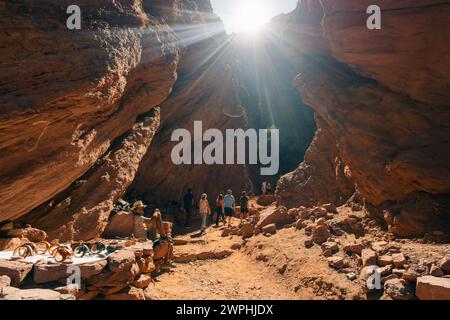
column 381, row 101
column 78, row 107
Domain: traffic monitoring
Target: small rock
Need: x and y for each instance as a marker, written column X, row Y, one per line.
column 300, row 224
column 309, row 243
column 415, row 271
column 321, row 221
column 320, row 234
column 435, row 271
column 142, row 282
column 386, row 270
column 398, row 289
column 433, row 288
column 148, row 265
column 379, row 246
column 329, row 248
column 351, row 276
column 385, row 260
column 444, row 264
column 270, row 229
column 5, row 281
column 336, row 262
column 330, row 207
column 247, row 230
column 236, row 246
column 151, row 293
column 369, row 257
column 319, row 212
column 354, row 248
column 399, row 260
column 398, row 272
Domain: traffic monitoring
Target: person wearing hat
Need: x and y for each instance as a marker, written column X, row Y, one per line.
column 144, row 226
column 229, row 204
column 204, row 209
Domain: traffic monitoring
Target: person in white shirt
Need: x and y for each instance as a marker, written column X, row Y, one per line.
column 229, row 204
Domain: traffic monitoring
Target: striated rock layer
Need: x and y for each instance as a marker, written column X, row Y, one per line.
column 382, row 116
column 78, row 108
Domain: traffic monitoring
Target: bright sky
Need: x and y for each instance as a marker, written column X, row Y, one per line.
column 248, row 15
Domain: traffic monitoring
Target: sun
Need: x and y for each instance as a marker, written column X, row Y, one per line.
column 249, row 16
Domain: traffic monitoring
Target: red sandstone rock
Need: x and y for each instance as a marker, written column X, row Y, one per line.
column 433, row 288
column 63, row 111
column 15, row 270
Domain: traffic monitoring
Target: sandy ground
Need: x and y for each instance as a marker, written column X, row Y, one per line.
column 232, row 278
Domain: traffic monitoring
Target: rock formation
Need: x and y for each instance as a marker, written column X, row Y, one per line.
column 381, row 115
column 78, row 106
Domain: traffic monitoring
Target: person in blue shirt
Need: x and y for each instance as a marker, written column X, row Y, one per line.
column 229, row 204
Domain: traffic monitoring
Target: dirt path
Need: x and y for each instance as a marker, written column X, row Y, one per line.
column 213, row 267
column 234, row 277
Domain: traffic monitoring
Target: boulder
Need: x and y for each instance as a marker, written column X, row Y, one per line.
column 330, row 207
column 399, row 260
column 415, row 271
column 127, row 293
column 398, row 289
column 444, row 264
column 32, row 234
column 433, row 288
column 5, row 281
column 272, row 215
column 15, row 270
column 320, row 234
column 369, row 257
column 435, row 271
column 266, row 200
column 247, row 230
column 44, row 272
column 121, row 260
column 270, row 228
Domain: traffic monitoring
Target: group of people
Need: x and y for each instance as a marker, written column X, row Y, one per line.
column 225, row 207
column 266, row 188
